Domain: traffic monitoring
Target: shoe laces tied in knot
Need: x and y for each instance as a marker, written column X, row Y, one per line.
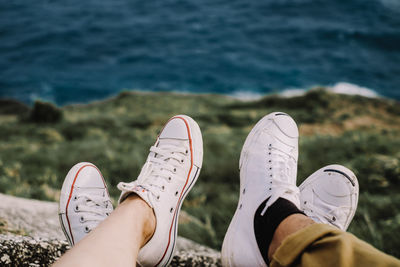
column 330, row 215
column 161, row 167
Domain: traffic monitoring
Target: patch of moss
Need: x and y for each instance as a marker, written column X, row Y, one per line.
column 4, row 228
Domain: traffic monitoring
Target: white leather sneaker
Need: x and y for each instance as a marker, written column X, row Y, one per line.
column 330, row 195
column 268, row 168
column 167, row 176
column 84, row 201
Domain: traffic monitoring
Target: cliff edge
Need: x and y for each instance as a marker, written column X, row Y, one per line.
column 30, row 235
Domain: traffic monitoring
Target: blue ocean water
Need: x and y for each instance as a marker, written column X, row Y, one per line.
column 77, row 51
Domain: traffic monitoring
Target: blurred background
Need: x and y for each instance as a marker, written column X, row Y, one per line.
column 96, row 80
column 73, row 51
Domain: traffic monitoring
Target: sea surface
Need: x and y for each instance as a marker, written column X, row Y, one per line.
column 77, row 51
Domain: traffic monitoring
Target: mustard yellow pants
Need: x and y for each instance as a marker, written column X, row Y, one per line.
column 324, row 245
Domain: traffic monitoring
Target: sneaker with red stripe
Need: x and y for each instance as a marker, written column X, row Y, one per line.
column 170, row 171
column 84, row 201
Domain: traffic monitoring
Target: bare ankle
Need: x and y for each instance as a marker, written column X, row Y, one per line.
column 140, row 206
column 288, row 226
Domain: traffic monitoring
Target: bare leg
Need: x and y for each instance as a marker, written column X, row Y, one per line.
column 288, row 226
column 117, row 240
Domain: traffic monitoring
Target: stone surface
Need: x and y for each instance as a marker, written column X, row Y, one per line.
column 16, row 250
column 44, row 241
column 36, row 218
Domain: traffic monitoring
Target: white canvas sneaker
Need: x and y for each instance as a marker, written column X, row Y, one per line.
column 268, row 168
column 167, row 176
column 330, row 195
column 84, row 201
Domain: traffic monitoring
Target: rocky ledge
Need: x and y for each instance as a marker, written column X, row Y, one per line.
column 30, row 235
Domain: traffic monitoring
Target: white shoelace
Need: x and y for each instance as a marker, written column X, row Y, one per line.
column 94, row 208
column 331, row 216
column 280, row 176
column 159, row 169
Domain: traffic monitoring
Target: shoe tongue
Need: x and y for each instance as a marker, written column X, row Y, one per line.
column 147, row 196
column 94, row 191
column 169, row 141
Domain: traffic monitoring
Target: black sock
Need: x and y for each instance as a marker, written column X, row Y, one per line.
column 265, row 226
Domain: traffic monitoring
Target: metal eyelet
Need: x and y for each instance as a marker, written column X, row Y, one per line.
column 158, row 197
column 76, row 208
column 270, row 168
column 75, row 198
column 169, row 178
column 176, row 193
column 333, row 218
column 182, row 161
column 187, row 151
column 81, row 219
column 171, row 210
column 107, row 214
column 87, row 230
column 174, row 170
column 162, row 188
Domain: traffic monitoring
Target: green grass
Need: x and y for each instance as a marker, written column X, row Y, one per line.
column 363, row 134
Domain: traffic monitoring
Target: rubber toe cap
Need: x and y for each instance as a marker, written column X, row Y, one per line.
column 176, row 128
column 286, row 124
column 89, row 176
